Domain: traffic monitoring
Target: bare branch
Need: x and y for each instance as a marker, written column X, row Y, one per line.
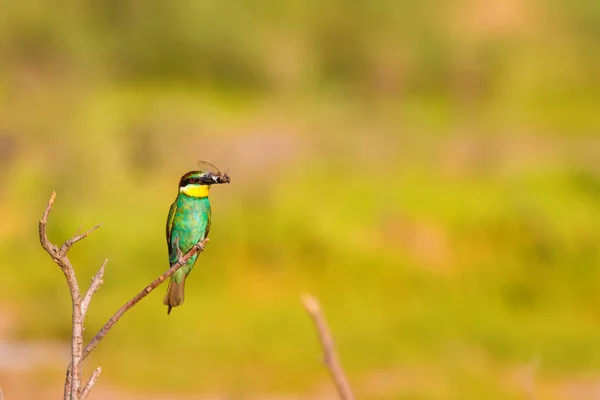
column 76, row 238
column 49, row 247
column 59, row 256
column 1, row 395
column 329, row 356
column 198, row 247
column 96, row 282
column 90, row 383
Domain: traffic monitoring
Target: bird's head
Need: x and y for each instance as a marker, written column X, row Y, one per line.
column 197, row 183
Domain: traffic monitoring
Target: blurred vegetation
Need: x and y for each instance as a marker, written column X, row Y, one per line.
column 430, row 170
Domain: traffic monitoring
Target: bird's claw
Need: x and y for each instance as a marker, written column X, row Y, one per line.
column 200, row 245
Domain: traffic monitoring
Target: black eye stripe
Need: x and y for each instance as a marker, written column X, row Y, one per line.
column 189, row 181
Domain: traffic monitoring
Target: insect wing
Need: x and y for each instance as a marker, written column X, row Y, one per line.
column 205, row 166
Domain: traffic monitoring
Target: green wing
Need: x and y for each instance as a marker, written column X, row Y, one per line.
column 170, row 220
column 208, row 218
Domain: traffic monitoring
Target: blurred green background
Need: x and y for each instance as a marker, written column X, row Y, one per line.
column 430, row 170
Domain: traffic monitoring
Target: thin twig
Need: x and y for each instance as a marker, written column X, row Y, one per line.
column 49, row 247
column 198, row 247
column 90, row 383
column 96, row 282
column 76, row 238
column 329, row 356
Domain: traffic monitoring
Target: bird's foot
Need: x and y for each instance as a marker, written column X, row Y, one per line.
column 200, row 245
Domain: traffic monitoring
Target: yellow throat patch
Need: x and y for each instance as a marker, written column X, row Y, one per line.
column 195, row 190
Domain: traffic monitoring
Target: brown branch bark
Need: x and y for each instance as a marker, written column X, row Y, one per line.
column 332, row 363
column 72, row 387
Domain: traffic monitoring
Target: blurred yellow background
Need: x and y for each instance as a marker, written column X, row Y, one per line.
column 430, row 170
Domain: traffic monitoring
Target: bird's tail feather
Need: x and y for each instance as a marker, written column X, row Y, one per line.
column 175, row 294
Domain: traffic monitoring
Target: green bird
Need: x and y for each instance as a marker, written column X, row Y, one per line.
column 188, row 223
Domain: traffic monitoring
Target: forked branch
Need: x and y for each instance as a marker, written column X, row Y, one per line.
column 59, row 256
column 332, row 363
column 73, row 388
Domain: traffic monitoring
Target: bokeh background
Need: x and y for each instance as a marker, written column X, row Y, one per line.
column 430, row 170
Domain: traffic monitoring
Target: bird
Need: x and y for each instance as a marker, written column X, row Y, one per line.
column 189, row 223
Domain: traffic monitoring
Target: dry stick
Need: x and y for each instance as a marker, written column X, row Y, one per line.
column 198, row 247
column 90, row 383
column 329, row 356
column 96, row 282
column 59, row 256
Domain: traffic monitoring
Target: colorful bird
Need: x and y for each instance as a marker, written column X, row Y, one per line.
column 188, row 223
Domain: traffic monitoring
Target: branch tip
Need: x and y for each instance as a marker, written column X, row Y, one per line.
column 310, row 303
column 49, row 207
column 87, row 233
column 90, row 383
column 94, row 286
column 49, row 247
column 76, row 238
column 79, row 228
column 330, row 359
